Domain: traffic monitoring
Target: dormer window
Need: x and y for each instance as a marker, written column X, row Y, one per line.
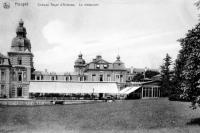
column 105, row 66
column 19, row 60
column 98, row 66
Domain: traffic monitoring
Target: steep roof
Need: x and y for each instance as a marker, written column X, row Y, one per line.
column 3, row 56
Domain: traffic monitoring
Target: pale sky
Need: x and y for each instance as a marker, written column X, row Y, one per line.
column 140, row 31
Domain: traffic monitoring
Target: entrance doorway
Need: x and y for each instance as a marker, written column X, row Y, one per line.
column 101, row 78
column 19, row 91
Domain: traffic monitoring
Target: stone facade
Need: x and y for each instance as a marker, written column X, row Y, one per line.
column 17, row 67
column 5, row 68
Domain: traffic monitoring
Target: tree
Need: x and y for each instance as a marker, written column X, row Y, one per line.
column 190, row 57
column 177, row 77
column 197, row 3
column 166, row 76
column 138, row 77
column 151, row 73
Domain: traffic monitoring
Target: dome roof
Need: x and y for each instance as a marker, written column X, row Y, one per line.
column 118, row 61
column 20, row 40
column 17, row 42
column 80, row 60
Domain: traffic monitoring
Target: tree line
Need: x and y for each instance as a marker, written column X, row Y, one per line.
column 183, row 81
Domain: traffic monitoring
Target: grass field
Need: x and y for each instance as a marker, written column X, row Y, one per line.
column 153, row 115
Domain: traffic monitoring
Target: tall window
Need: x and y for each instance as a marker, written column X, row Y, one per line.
column 2, row 89
column 42, row 77
column 121, row 78
column 70, row 78
column 108, row 77
column 19, row 91
column 101, row 78
column 117, row 78
column 13, row 76
column 20, row 76
column 84, row 78
column 3, row 76
column 24, row 76
column 19, row 60
column 93, row 77
column 80, row 78
column 1, row 61
column 66, row 78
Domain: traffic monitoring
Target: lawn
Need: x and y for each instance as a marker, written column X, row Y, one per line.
column 150, row 115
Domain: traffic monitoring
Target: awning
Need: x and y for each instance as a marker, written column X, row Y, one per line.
column 129, row 90
column 72, row 87
column 125, row 89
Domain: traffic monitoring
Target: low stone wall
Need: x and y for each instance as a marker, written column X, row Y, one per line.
column 25, row 102
column 42, row 102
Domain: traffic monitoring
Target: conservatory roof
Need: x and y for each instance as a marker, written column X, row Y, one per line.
column 72, row 87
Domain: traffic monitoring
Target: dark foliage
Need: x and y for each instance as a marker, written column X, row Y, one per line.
column 166, row 84
column 187, row 67
column 150, row 73
column 138, row 77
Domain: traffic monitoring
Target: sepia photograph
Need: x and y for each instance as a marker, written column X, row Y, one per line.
column 99, row 66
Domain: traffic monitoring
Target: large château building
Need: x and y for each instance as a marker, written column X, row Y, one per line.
column 16, row 70
column 18, row 78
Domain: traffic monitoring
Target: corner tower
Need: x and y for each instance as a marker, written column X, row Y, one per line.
column 21, row 60
column 79, row 65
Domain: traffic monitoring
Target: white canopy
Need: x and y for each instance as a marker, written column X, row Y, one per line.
column 129, row 90
column 72, row 87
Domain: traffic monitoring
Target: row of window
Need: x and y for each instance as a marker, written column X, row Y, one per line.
column 151, row 92
column 16, row 76
column 19, row 76
column 41, row 77
column 118, row 78
column 104, row 66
